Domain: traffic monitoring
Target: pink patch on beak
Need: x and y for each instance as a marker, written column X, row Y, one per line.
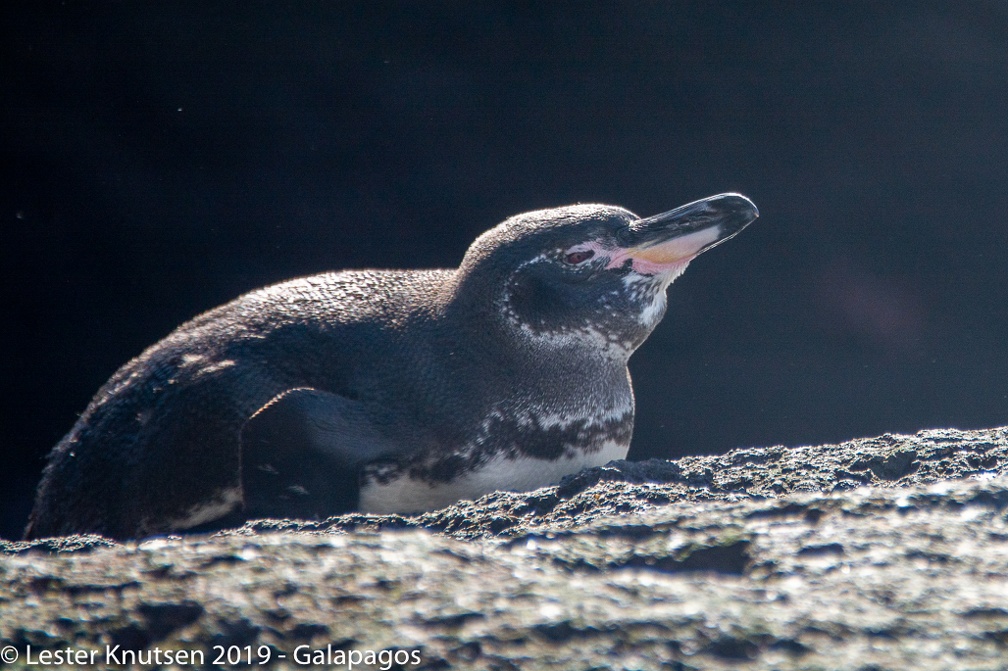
column 670, row 254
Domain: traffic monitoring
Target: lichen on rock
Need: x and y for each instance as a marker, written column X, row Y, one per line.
column 878, row 553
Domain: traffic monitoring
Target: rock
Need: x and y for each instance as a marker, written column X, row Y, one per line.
column 882, row 553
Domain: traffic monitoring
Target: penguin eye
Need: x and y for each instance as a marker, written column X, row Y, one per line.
column 575, row 258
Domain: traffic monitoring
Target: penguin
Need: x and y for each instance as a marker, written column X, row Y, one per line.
column 385, row 391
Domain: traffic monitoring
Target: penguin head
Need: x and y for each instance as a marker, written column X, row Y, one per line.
column 593, row 275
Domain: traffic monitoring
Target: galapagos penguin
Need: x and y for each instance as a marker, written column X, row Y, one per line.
column 382, row 390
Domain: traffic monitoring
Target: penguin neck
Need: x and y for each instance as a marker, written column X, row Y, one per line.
column 481, row 315
column 541, row 384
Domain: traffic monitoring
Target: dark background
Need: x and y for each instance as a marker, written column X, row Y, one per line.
column 162, row 158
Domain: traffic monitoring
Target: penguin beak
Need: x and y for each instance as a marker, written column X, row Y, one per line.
column 674, row 238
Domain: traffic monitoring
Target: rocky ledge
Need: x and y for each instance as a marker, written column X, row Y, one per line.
column 883, row 553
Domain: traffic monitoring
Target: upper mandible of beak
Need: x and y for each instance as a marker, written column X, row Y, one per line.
column 677, row 236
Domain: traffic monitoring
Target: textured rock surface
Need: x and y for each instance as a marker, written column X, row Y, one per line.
column 873, row 554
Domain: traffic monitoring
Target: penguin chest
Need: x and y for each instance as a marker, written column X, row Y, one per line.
column 393, row 489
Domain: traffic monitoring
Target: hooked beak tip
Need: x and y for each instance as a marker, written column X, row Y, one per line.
column 681, row 234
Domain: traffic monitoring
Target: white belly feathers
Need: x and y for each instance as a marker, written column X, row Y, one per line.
column 523, row 473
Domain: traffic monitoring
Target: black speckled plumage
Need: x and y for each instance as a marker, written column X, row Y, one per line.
column 387, row 390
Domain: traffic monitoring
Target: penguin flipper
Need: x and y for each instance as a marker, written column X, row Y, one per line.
column 302, row 452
